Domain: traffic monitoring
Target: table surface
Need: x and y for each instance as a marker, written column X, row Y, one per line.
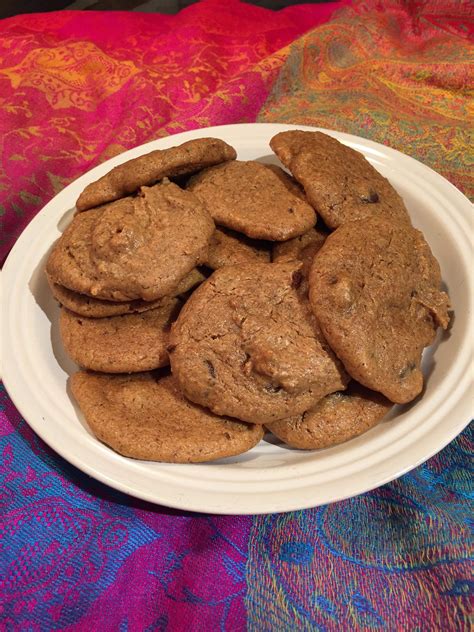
column 79, row 87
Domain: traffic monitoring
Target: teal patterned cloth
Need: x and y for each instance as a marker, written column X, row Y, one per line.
column 397, row 558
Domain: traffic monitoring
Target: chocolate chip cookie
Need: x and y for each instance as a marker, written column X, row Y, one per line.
column 91, row 307
column 259, row 200
column 338, row 181
column 120, row 344
column 230, row 248
column 247, row 345
column 136, row 248
column 146, row 170
column 375, row 291
column 145, row 416
column 336, row 418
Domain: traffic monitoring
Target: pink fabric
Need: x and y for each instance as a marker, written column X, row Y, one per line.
column 79, row 87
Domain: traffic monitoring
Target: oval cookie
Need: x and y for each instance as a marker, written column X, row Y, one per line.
column 261, row 201
column 336, row 418
column 91, row 307
column 145, row 416
column 246, row 345
column 375, row 291
column 138, row 247
column 120, row 344
column 338, row 181
column 148, row 169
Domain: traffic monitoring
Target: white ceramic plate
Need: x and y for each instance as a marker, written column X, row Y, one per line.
column 271, row 477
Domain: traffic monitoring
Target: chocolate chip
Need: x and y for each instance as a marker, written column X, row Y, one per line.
column 271, row 388
column 296, row 279
column 290, row 210
column 407, row 370
column 210, row 368
column 371, row 198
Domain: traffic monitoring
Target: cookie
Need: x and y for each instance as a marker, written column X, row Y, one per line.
column 302, row 248
column 338, row 181
column 144, row 416
column 261, row 201
column 230, row 248
column 375, row 291
column 135, row 248
column 190, row 281
column 120, row 344
column 90, row 307
column 128, row 177
column 246, row 345
column 335, row 419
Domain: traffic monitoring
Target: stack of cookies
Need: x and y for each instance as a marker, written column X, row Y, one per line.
column 205, row 301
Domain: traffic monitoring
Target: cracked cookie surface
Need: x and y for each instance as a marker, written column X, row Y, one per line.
column 228, row 248
column 145, row 416
column 336, row 418
column 91, row 307
column 120, row 344
column 247, row 345
column 338, row 181
column 149, row 168
column 375, row 291
column 303, row 249
column 135, row 248
column 261, row 201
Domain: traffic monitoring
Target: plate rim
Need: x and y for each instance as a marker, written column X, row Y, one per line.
column 217, row 508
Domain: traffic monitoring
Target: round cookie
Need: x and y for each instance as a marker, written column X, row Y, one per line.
column 375, row 291
column 261, row 201
column 336, row 418
column 91, row 307
column 135, row 248
column 144, row 416
column 230, row 248
column 338, row 181
column 246, row 345
column 302, row 248
column 148, row 169
column 119, row 344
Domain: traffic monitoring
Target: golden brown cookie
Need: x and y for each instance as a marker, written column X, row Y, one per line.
column 120, row 344
column 302, row 248
column 338, row 181
column 261, row 201
column 128, row 177
column 135, row 248
column 144, row 416
column 91, row 307
column 230, row 248
column 375, row 291
column 246, row 345
column 336, row 418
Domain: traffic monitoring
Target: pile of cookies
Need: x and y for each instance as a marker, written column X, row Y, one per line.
column 207, row 299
